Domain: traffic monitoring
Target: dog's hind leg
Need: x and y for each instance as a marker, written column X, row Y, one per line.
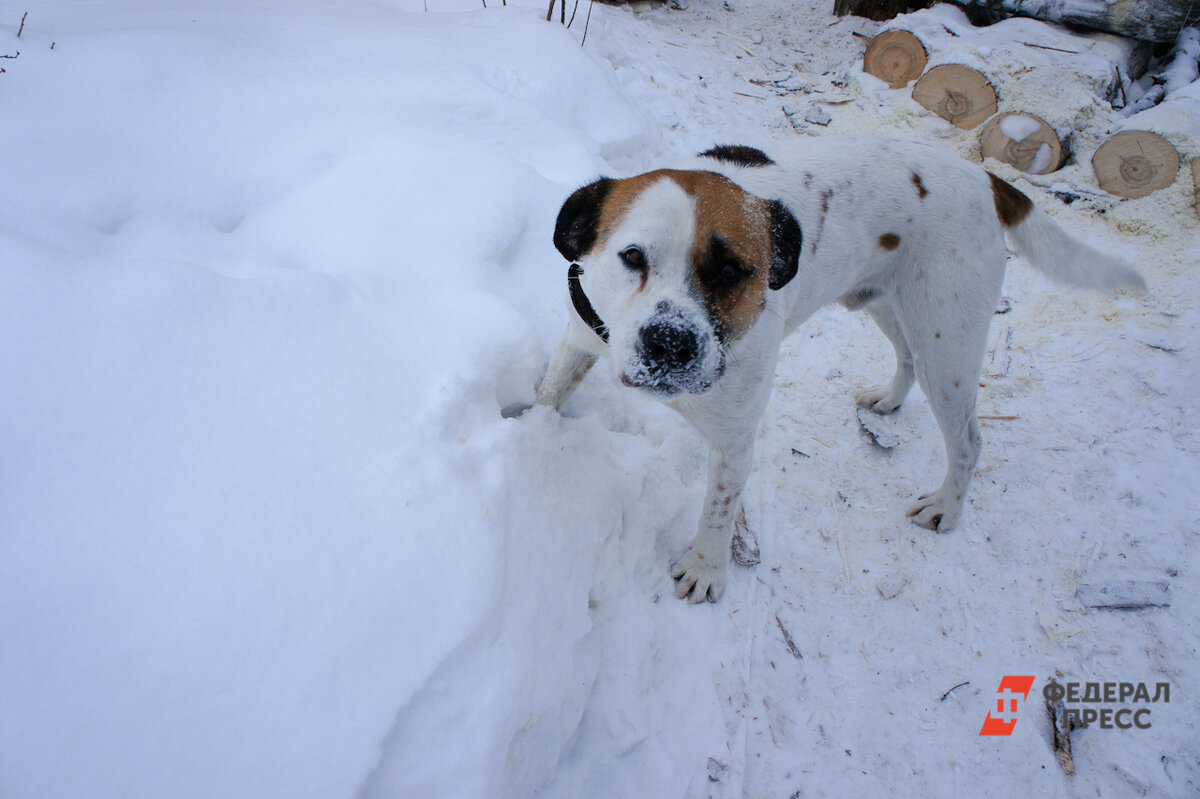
column 887, row 398
column 947, row 332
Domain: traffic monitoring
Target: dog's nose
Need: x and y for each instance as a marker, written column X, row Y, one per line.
column 668, row 348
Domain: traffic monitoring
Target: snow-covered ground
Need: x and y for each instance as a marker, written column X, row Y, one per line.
column 268, row 275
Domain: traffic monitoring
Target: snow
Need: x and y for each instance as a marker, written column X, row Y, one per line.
column 267, row 279
column 1019, row 127
column 1184, row 67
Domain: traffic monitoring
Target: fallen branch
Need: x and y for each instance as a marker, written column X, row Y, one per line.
column 22, row 28
column 1063, row 724
column 787, row 639
column 955, row 688
column 1048, row 47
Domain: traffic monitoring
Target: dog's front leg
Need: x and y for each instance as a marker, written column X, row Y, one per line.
column 700, row 573
column 570, row 363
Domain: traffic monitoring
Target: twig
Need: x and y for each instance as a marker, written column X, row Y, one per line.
column 22, row 24
column 955, row 688
column 550, row 11
column 1048, row 47
column 1063, row 724
column 787, row 639
column 11, row 56
column 1000, row 418
column 751, row 96
column 586, row 21
column 574, row 11
column 862, row 36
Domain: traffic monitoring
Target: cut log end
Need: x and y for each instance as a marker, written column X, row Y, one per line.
column 962, row 96
column 1024, row 141
column 1134, row 163
column 1196, row 184
column 895, row 57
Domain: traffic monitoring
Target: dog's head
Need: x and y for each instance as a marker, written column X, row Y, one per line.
column 671, row 267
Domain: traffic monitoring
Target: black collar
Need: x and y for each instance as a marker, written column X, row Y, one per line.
column 582, row 305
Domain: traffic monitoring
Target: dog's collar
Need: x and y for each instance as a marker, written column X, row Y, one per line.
column 582, row 305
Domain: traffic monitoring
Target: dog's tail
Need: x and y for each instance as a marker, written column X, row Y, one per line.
column 1056, row 254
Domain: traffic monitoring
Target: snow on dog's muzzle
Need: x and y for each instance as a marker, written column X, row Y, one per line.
column 670, row 355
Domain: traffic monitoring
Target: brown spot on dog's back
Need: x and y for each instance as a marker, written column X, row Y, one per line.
column 889, row 241
column 1011, row 205
column 921, row 190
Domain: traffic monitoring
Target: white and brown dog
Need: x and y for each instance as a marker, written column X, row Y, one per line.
column 689, row 279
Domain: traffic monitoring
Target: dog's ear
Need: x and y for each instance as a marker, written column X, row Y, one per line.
column 786, row 240
column 575, row 231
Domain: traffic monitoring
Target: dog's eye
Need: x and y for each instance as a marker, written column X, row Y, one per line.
column 634, row 258
column 724, row 275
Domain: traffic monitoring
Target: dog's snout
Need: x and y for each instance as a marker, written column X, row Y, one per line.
column 666, row 347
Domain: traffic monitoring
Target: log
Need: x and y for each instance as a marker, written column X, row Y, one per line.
column 962, row 96
column 1196, row 184
column 896, row 57
column 1134, row 163
column 1150, row 20
column 878, row 10
column 1023, row 141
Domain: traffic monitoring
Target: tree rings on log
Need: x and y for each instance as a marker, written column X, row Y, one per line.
column 1134, row 163
column 962, row 96
column 895, row 57
column 1023, row 141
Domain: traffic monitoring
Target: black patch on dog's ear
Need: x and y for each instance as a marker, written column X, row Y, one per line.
column 738, row 154
column 576, row 228
column 786, row 240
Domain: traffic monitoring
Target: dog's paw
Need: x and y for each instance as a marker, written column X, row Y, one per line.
column 936, row 512
column 880, row 399
column 699, row 577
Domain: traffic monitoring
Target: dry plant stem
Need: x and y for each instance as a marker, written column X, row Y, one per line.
column 587, row 21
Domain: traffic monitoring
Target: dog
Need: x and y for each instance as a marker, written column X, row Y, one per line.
column 688, row 279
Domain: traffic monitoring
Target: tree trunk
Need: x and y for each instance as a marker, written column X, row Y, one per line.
column 1151, row 20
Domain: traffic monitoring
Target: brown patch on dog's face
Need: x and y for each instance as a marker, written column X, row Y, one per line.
column 1011, row 205
column 731, row 255
column 730, row 258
